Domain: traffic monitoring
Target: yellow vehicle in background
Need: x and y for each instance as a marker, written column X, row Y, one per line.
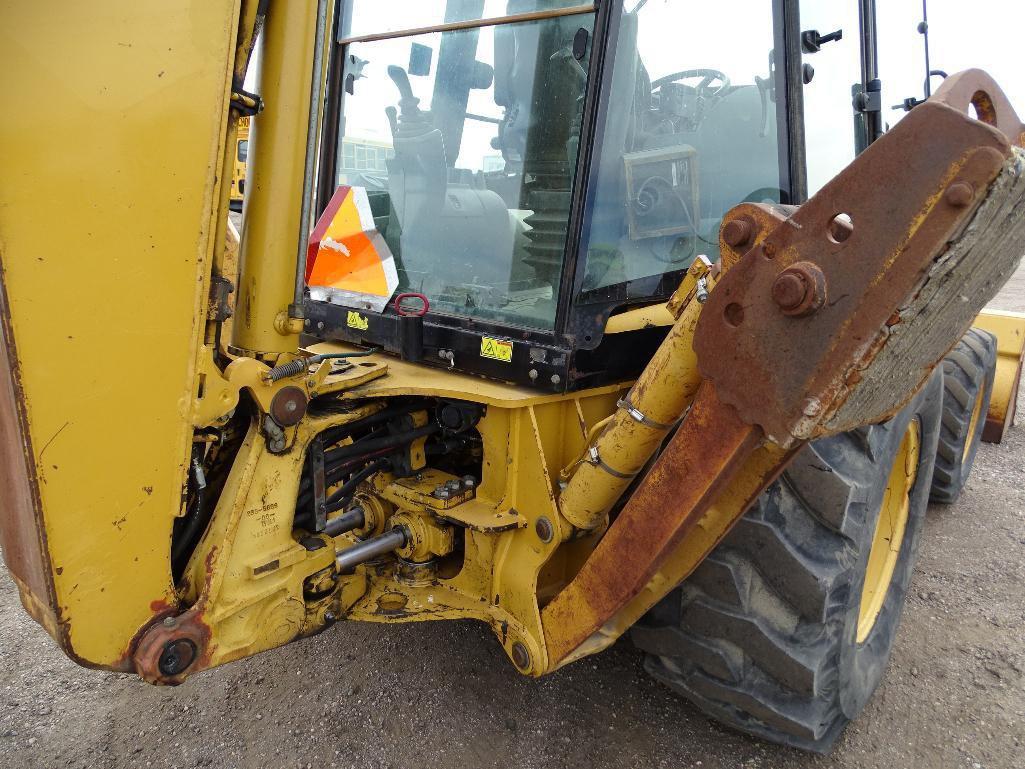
column 238, row 172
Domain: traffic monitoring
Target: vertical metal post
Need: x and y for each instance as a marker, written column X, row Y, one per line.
column 275, row 186
column 295, row 310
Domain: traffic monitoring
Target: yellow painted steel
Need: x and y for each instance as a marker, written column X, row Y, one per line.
column 652, row 407
column 890, row 528
column 277, row 153
column 1009, row 329
column 107, row 275
column 246, row 580
column 642, row 317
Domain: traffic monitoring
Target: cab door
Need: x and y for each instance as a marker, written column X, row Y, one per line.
column 833, row 74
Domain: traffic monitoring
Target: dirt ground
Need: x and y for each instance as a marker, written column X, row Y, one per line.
column 443, row 694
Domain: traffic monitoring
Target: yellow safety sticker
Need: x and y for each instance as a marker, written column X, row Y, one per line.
column 355, row 320
column 496, row 349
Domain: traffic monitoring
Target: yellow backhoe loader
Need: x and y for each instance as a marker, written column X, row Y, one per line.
column 581, row 319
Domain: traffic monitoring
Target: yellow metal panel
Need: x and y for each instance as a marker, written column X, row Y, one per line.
column 1009, row 329
column 642, row 317
column 110, row 139
column 418, row 379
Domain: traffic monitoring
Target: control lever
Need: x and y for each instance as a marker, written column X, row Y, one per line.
column 812, row 41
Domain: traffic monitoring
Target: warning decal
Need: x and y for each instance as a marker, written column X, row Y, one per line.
column 496, row 349
column 354, row 320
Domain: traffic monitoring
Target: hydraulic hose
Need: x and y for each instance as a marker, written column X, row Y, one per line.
column 337, row 500
column 360, row 448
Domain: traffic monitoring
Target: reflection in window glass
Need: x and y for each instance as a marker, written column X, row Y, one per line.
column 828, row 99
column 690, row 131
column 243, row 150
column 901, row 52
column 370, row 17
column 466, row 142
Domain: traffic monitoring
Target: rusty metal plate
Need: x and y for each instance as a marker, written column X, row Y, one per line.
column 20, row 527
column 788, row 365
column 702, row 458
column 976, row 88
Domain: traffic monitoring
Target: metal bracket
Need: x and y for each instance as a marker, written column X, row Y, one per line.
column 316, row 455
column 871, row 99
column 219, row 309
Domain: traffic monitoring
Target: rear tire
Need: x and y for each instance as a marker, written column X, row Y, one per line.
column 764, row 635
column 968, row 374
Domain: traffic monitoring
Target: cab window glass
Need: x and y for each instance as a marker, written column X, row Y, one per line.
column 466, row 142
column 901, row 53
column 829, row 120
column 690, row 130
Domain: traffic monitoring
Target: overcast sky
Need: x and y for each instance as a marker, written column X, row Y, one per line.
column 981, row 33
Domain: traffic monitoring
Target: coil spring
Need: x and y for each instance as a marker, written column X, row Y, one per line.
column 290, row 369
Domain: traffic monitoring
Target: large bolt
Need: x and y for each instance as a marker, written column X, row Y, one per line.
column 800, row 289
column 959, row 194
column 544, row 529
column 520, row 656
column 737, row 232
column 789, row 291
column 177, row 656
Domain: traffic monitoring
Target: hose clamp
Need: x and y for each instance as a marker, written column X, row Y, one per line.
column 595, row 459
column 638, row 416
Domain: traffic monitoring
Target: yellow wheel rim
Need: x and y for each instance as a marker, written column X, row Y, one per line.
column 890, row 529
column 969, row 440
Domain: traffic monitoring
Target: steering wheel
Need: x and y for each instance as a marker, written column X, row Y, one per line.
column 708, row 76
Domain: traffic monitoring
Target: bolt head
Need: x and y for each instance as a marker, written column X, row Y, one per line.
column 960, row 194
column 520, row 656
column 789, row 291
column 800, row 289
column 544, row 529
column 737, row 232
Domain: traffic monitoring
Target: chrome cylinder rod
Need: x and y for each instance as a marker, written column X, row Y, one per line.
column 350, row 520
column 351, row 557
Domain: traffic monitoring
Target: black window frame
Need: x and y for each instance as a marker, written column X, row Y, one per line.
column 545, row 359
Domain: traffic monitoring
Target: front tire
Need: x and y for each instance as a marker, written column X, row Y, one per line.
column 785, row 630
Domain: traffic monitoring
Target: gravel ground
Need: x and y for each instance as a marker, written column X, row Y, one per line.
column 443, row 694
